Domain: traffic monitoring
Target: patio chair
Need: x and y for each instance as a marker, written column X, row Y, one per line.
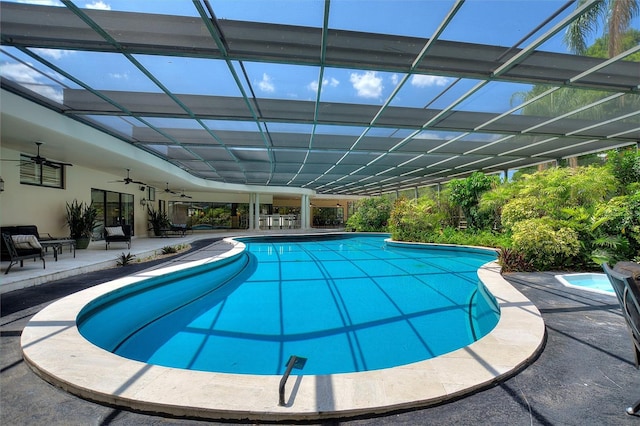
column 628, row 294
column 21, row 247
column 117, row 234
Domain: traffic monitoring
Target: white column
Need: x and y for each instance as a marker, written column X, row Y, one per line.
column 256, row 221
column 251, row 210
column 304, row 212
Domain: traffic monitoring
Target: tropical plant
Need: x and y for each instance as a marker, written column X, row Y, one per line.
column 511, row 260
column 600, row 48
column 158, row 220
column 370, row 215
column 450, row 212
column 616, row 225
column 519, row 209
column 625, row 166
column 466, row 193
column 552, row 102
column 125, row 259
column 82, row 219
column 556, row 218
column 616, row 17
column 169, row 250
column 546, row 243
column 548, row 192
column 468, row 237
column 411, row 219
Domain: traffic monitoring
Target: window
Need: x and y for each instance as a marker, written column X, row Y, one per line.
column 50, row 174
column 114, row 208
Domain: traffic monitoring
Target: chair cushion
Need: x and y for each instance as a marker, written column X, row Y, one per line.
column 24, row 242
column 631, row 269
column 114, row 231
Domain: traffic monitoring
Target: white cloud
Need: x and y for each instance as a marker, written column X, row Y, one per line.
column 266, row 84
column 332, row 82
column 31, row 79
column 394, row 79
column 53, row 53
column 368, row 85
column 42, row 2
column 429, row 80
column 99, row 5
column 119, row 76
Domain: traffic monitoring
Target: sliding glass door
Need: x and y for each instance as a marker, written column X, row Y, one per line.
column 114, row 208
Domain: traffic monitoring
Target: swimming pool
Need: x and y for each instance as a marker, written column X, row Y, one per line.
column 597, row 283
column 55, row 350
column 346, row 303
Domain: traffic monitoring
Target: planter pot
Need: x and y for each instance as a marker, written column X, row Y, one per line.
column 82, row 243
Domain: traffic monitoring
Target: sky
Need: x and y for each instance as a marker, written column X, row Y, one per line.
column 478, row 21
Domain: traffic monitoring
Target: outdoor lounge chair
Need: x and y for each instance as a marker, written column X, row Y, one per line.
column 628, row 294
column 21, row 247
column 117, row 234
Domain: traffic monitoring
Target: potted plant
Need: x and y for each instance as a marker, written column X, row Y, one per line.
column 82, row 219
column 159, row 221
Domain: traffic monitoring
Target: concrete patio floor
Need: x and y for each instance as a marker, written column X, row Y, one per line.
column 584, row 375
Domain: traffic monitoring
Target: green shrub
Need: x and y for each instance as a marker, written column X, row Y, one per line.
column 466, row 194
column 467, row 237
column 411, row 219
column 513, row 261
column 558, row 188
column 169, row 250
column 616, row 225
column 545, row 243
column 520, row 209
column 370, row 215
column 125, row 259
column 625, row 166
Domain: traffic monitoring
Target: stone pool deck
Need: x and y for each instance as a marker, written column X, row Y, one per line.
column 584, row 374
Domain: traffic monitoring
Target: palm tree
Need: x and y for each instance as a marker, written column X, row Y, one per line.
column 616, row 15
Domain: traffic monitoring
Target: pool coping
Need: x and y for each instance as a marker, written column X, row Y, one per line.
column 55, row 350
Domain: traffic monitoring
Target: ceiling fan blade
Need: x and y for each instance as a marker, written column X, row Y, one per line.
column 42, row 161
column 169, row 191
column 51, row 164
column 127, row 180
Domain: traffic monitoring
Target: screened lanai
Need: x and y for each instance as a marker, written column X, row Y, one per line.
column 342, row 97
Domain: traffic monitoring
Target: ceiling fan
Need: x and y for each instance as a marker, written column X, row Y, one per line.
column 169, row 191
column 41, row 161
column 183, row 195
column 128, row 180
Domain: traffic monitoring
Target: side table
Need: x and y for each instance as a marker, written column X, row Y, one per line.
column 57, row 246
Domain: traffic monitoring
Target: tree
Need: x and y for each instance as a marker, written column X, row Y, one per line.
column 412, row 219
column 370, row 215
column 466, row 193
column 616, row 17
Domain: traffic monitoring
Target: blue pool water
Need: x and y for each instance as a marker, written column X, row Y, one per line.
column 346, row 303
column 597, row 283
